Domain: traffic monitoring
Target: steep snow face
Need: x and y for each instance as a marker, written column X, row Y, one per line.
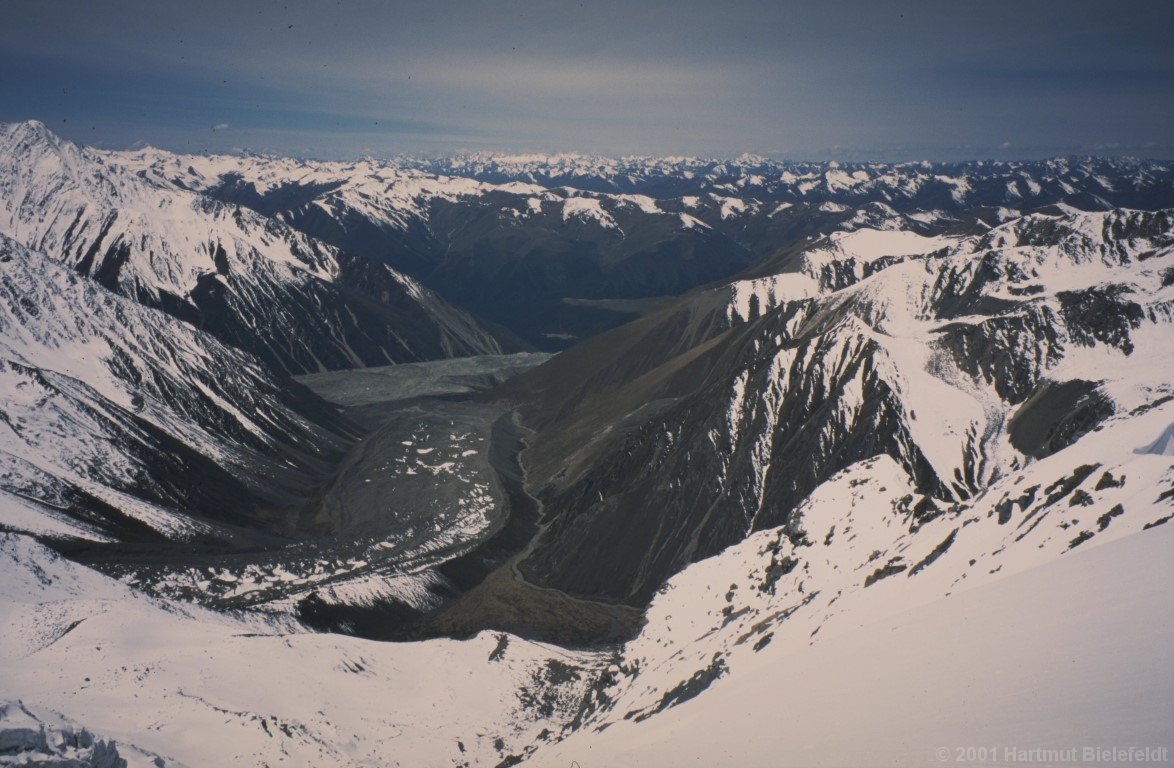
column 65, row 200
column 121, row 421
column 846, row 638
column 199, row 688
column 962, row 361
column 223, row 268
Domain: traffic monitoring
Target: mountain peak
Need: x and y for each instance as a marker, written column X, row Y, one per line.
column 30, row 131
column 29, row 139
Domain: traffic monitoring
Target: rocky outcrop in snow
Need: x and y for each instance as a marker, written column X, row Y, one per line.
column 121, row 422
column 960, row 361
column 252, row 281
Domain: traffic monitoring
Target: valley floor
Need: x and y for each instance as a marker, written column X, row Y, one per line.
column 417, row 512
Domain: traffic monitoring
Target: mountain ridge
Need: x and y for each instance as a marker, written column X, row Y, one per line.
column 911, row 427
column 540, row 246
column 855, row 366
column 220, row 267
column 125, row 423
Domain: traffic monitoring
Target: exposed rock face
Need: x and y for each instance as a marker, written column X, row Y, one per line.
column 559, row 248
column 958, row 362
column 299, row 305
column 123, row 422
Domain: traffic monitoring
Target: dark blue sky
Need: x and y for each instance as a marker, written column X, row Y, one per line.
column 935, row 80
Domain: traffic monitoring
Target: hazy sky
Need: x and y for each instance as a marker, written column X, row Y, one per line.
column 940, row 80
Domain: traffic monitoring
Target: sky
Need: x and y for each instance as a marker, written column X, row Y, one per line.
column 836, row 79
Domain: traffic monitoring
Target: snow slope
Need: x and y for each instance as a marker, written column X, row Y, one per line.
column 882, row 625
column 201, row 688
column 121, row 421
column 255, row 283
column 1070, row 655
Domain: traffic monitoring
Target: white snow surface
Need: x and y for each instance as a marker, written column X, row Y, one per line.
column 587, row 209
column 870, row 244
column 79, row 366
column 1072, row 654
column 1046, row 629
column 201, row 689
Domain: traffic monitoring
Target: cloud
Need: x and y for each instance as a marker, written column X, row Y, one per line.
column 659, row 76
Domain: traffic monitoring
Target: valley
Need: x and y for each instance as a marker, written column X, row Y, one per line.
column 417, row 511
column 285, row 479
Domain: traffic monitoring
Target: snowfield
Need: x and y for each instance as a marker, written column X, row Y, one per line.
column 203, row 689
column 1071, row 654
column 871, row 638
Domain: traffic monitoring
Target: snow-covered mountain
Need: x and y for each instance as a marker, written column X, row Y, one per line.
column 962, row 360
column 895, row 477
column 546, row 245
column 122, row 423
column 535, row 259
column 1103, row 182
column 298, row 304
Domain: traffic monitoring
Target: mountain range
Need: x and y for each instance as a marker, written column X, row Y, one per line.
column 558, row 248
column 835, row 463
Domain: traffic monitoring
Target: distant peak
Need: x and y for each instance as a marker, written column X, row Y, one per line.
column 30, row 126
column 32, row 131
